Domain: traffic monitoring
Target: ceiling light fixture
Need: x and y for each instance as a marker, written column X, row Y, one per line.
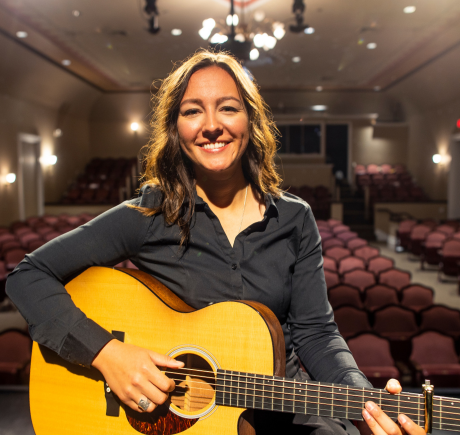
column 240, row 37
column 57, row 132
column 22, row 34
column 309, row 30
column 176, row 32
column 437, row 158
column 296, row 59
column 409, row 9
column 372, row 45
column 319, row 107
column 66, row 62
column 152, row 13
column 76, row 13
column 319, row 88
column 48, row 160
column 134, row 126
column 377, row 88
column 298, row 8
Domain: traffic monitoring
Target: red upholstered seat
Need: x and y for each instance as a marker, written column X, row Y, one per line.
column 337, row 253
column 395, row 278
column 345, row 295
column 329, row 264
column 404, row 230
column 448, row 230
column 340, row 229
column 434, row 358
column 417, row 237
column 366, row 252
column 333, row 222
column 356, row 243
column 351, row 320
column 450, row 258
column 395, row 322
column 416, row 297
column 14, row 257
column 347, row 235
column 332, row 278
column 35, row 244
column 431, row 247
column 442, row 319
column 15, row 351
column 349, row 263
column 26, row 238
column 51, row 235
column 379, row 295
column 373, row 356
column 330, row 243
column 379, row 264
column 359, row 278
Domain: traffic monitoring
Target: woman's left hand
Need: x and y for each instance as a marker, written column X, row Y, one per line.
column 378, row 423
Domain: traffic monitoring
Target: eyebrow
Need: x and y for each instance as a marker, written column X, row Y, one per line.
column 200, row 102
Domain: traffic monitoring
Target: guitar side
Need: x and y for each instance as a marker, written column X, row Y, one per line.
column 65, row 398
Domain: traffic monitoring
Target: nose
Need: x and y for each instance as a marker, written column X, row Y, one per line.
column 212, row 127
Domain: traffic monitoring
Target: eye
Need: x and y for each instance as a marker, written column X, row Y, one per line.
column 229, row 109
column 190, row 112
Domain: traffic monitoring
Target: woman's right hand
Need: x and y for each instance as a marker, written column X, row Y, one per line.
column 132, row 373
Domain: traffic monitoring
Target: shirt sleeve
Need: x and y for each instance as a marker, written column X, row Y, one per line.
column 314, row 333
column 36, row 286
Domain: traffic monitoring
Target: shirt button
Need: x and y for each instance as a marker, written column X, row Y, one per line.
column 234, row 266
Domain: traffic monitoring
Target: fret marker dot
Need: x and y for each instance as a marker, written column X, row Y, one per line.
column 452, row 403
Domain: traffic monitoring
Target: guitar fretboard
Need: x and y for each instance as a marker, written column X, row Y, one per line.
column 273, row 393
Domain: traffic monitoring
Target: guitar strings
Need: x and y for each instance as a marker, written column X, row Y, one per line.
column 300, row 384
column 274, row 397
column 393, row 414
column 349, row 388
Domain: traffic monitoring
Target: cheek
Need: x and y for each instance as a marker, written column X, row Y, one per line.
column 187, row 131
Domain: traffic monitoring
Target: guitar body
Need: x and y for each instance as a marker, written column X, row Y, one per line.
column 240, row 336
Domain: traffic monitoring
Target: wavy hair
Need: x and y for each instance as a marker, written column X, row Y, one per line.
column 167, row 166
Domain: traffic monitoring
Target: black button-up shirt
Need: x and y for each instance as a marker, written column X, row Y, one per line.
column 276, row 261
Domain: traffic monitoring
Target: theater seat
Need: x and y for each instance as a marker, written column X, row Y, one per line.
column 440, row 318
column 351, row 320
column 366, row 253
column 344, row 295
column 395, row 278
column 434, row 358
column 417, row 297
column 15, row 351
column 373, row 356
column 337, row 253
column 379, row 295
column 359, row 278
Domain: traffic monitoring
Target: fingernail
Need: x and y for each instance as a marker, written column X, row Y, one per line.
column 370, row 406
column 402, row 419
column 366, row 415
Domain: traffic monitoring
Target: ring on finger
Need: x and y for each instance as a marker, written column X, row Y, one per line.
column 144, row 404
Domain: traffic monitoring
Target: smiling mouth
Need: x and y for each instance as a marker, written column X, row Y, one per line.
column 213, row 146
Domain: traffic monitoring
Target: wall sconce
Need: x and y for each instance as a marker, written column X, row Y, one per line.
column 134, row 126
column 48, row 160
column 10, row 178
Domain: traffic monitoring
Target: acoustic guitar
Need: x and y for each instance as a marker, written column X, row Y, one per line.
column 234, row 357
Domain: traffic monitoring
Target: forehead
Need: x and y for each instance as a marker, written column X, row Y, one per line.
column 211, row 82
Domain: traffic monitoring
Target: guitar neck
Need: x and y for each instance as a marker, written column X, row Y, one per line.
column 273, row 393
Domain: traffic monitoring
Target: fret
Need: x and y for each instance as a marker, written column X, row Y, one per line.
column 421, row 411
column 313, row 398
column 389, row 404
column 234, row 390
column 241, row 391
column 268, row 389
column 245, row 389
column 325, row 401
column 258, row 398
column 300, row 396
column 288, row 396
column 278, row 389
column 409, row 405
column 339, row 405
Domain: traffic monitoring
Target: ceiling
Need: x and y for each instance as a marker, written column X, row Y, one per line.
column 109, row 47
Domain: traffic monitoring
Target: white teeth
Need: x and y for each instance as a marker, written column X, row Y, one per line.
column 212, row 146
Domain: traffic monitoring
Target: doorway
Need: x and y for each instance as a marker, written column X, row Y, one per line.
column 30, row 180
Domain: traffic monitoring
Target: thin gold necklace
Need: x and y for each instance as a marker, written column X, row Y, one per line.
column 244, row 208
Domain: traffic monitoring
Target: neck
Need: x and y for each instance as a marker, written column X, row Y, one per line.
column 223, row 191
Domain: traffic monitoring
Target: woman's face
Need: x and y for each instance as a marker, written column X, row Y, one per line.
column 213, row 124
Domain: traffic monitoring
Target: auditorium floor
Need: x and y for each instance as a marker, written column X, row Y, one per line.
column 446, row 293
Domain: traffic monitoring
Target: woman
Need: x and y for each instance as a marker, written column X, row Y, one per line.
column 210, row 216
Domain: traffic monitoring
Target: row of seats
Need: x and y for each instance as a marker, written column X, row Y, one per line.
column 382, row 313
column 432, row 356
column 388, row 183
column 104, row 181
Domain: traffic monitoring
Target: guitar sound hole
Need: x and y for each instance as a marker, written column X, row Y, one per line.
column 194, row 383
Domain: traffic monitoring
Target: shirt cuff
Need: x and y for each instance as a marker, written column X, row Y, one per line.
column 84, row 342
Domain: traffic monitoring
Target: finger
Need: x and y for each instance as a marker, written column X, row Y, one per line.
column 409, row 426
column 165, row 361
column 384, row 422
column 375, row 427
column 393, row 386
